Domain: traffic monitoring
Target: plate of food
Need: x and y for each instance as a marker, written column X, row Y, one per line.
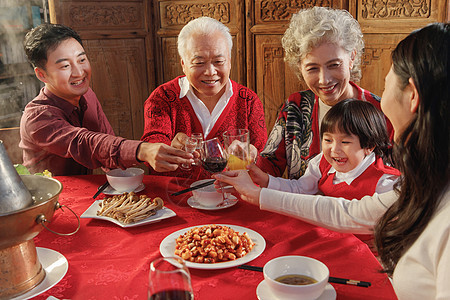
column 129, row 210
column 214, row 246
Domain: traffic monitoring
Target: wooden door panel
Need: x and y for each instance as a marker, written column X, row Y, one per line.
column 170, row 59
column 376, row 60
column 119, row 88
column 275, row 80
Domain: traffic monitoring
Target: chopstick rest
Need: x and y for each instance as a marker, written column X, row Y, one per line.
column 101, row 189
column 198, row 186
column 330, row 279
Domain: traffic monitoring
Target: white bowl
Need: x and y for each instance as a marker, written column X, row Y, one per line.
column 299, row 265
column 125, row 180
column 206, row 196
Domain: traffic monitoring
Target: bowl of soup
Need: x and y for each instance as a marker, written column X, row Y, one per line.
column 296, row 277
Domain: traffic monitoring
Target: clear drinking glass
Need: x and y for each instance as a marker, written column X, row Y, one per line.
column 237, row 146
column 199, row 137
column 190, row 146
column 169, row 279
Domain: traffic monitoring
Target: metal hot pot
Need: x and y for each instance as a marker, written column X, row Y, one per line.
column 27, row 203
column 21, row 269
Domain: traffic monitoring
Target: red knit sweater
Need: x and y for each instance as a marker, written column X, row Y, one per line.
column 165, row 115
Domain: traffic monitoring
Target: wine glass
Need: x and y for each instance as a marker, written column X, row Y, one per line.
column 214, row 160
column 169, row 279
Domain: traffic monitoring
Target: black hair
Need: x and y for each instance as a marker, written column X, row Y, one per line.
column 421, row 152
column 360, row 118
column 39, row 40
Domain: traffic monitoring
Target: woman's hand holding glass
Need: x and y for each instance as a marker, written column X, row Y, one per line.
column 237, row 146
column 242, row 183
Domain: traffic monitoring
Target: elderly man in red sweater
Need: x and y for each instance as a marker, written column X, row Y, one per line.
column 205, row 100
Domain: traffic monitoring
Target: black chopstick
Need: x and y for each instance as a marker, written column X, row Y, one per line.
column 101, row 189
column 330, row 279
column 198, row 186
column 251, row 268
column 349, row 281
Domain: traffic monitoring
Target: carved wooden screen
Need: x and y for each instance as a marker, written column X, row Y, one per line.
column 171, row 16
column 384, row 24
column 118, row 42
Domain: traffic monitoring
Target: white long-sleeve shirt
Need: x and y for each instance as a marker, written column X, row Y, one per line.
column 423, row 272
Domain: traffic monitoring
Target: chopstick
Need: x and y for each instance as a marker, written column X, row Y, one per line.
column 349, row 281
column 251, row 268
column 198, row 186
column 330, row 279
column 101, row 189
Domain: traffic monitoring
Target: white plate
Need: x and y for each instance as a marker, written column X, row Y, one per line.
column 55, row 266
column 167, row 248
column 194, row 203
column 110, row 191
column 263, row 292
column 161, row 214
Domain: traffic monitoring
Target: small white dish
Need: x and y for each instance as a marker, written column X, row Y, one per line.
column 263, row 292
column 55, row 266
column 161, row 214
column 207, row 195
column 167, row 248
column 125, row 180
column 192, row 202
column 111, row 192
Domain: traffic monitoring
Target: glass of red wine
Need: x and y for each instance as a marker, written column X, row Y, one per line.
column 169, row 279
column 214, row 160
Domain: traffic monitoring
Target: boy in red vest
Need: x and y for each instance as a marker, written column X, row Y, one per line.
column 354, row 143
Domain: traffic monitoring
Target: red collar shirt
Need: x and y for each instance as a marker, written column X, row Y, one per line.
column 70, row 140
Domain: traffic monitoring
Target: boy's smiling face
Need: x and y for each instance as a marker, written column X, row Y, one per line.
column 343, row 151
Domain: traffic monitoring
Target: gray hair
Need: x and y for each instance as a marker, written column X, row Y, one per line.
column 311, row 27
column 202, row 26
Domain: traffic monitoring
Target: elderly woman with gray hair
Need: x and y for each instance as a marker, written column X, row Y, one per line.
column 324, row 47
column 205, row 100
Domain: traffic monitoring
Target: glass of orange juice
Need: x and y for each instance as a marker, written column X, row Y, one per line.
column 237, row 146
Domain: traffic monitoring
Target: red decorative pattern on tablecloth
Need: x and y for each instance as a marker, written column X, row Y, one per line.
column 110, row 262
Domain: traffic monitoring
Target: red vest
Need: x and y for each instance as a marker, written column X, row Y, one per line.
column 364, row 185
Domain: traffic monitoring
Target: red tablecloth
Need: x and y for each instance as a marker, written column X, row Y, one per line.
column 110, row 262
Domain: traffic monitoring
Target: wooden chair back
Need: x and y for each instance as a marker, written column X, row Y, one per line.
column 11, row 139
